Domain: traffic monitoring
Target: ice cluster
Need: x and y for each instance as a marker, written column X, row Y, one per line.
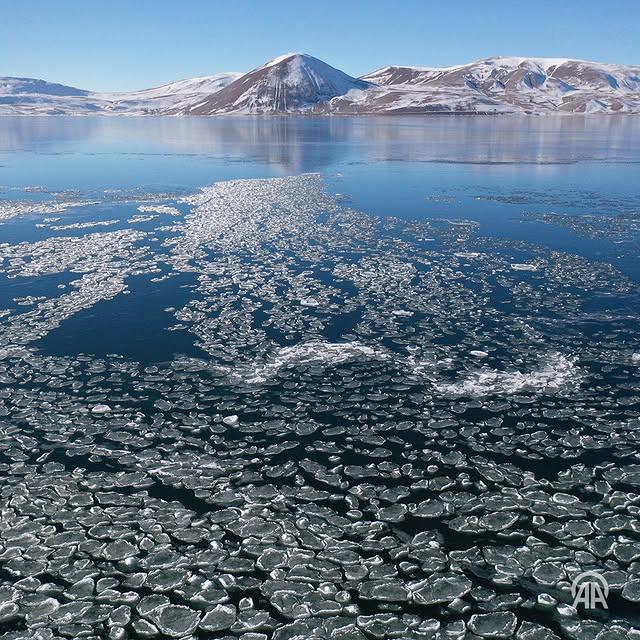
column 350, row 427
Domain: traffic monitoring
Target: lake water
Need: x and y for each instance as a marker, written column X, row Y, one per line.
column 357, row 378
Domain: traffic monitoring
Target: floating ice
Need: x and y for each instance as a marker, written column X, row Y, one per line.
column 314, row 352
column 378, row 482
column 11, row 209
column 556, row 373
column 159, row 208
column 523, row 266
column 500, row 624
column 100, row 409
column 83, row 225
column 175, row 621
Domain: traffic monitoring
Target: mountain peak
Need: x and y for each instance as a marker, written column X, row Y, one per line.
column 291, row 82
column 286, row 57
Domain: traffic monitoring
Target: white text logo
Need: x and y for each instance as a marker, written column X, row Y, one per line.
column 590, row 589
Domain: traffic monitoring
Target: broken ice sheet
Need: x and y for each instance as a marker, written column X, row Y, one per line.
column 388, row 432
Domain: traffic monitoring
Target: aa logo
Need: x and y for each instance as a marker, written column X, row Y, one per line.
column 590, row 589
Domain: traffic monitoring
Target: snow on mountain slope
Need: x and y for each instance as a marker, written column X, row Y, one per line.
column 26, row 86
column 191, row 86
column 300, row 83
column 406, row 100
column 173, row 96
column 37, row 97
column 32, row 96
column 521, row 84
column 290, row 83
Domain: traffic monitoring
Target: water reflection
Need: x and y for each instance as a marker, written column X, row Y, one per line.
column 294, row 144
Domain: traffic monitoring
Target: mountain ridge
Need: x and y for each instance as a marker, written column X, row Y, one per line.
column 298, row 83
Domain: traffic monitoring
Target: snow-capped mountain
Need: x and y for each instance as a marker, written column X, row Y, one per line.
column 290, row 83
column 510, row 84
column 172, row 96
column 299, row 83
column 26, row 96
column 26, row 86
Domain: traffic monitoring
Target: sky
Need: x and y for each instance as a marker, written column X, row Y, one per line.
column 134, row 44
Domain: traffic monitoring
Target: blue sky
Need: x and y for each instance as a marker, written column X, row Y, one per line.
column 131, row 44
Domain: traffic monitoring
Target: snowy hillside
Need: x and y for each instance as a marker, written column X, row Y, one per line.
column 300, row 83
column 25, row 86
column 36, row 97
column 289, row 83
column 174, row 96
column 511, row 84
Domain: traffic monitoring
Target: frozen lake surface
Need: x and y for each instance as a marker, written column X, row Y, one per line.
column 319, row 378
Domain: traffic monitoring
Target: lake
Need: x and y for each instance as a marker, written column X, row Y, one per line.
column 319, row 377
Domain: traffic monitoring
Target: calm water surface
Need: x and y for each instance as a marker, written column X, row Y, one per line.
column 416, row 167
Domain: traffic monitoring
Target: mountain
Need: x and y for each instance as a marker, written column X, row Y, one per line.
column 26, row 86
column 300, row 83
column 509, row 84
column 26, row 96
column 173, row 96
column 293, row 82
